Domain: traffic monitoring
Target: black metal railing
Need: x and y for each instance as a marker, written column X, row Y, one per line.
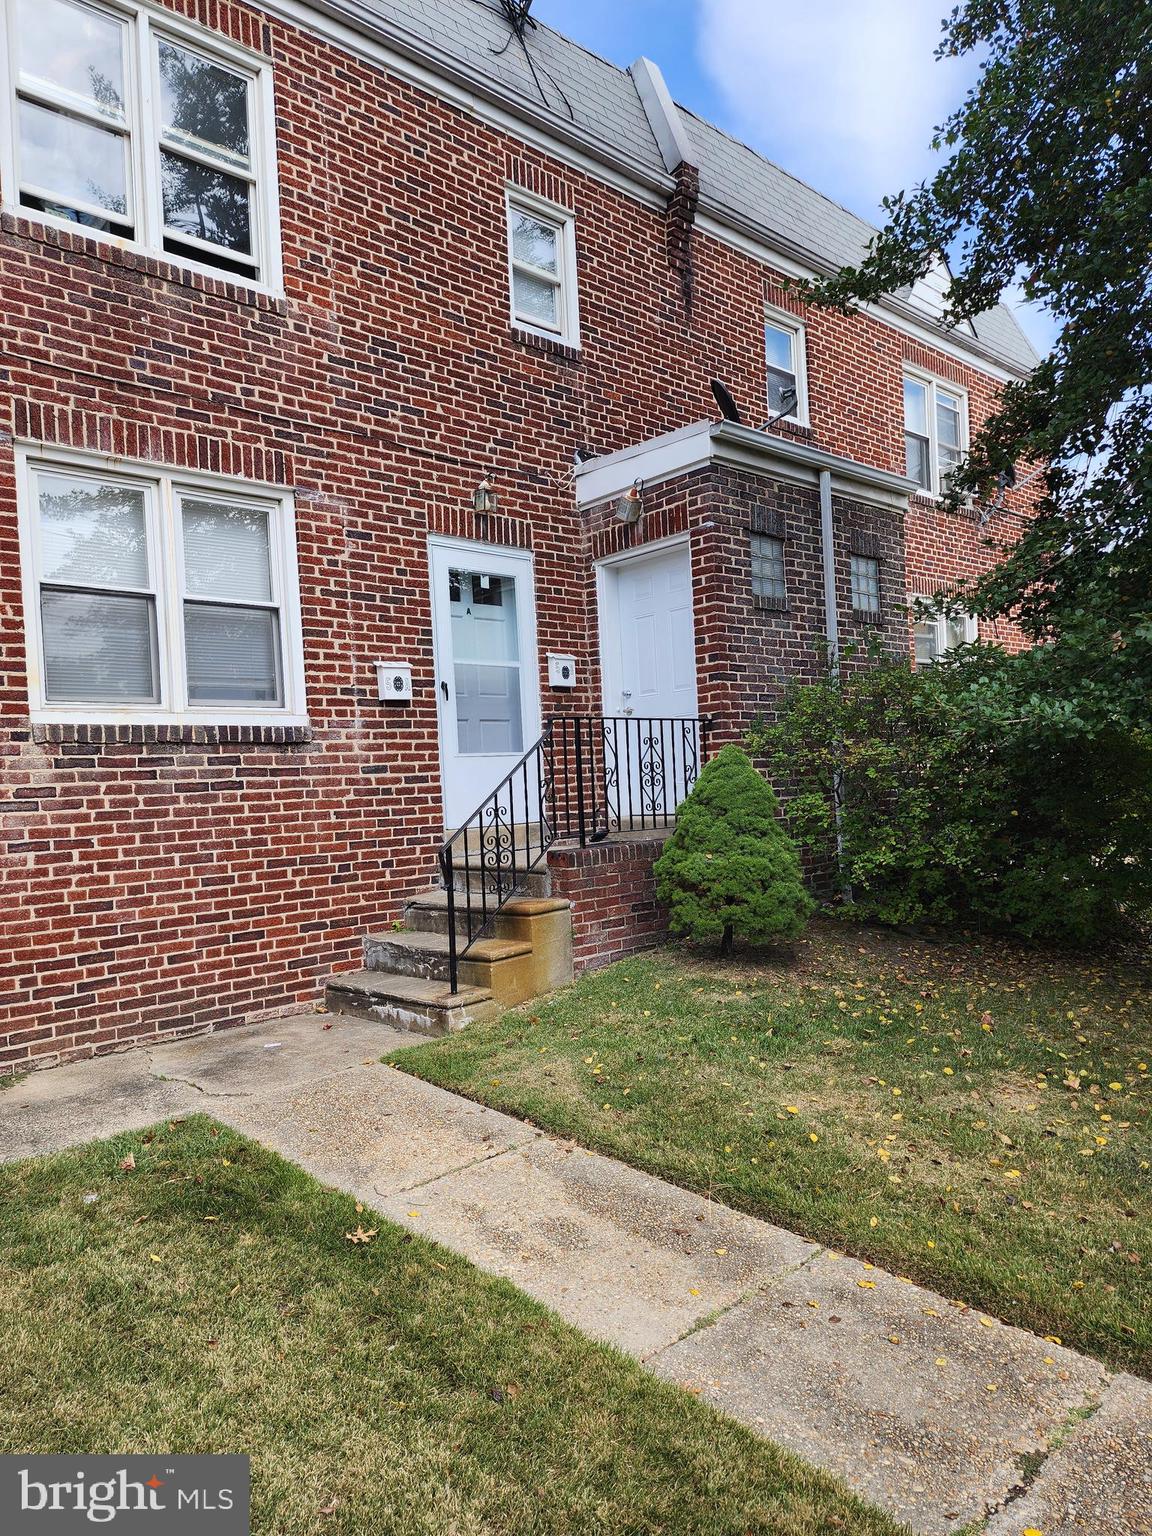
column 588, row 776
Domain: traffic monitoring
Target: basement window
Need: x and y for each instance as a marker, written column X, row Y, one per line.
column 157, row 597
column 542, row 268
column 143, row 128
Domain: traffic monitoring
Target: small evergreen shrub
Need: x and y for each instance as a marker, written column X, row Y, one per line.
column 730, row 869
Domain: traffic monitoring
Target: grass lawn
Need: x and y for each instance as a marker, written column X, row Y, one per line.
column 208, row 1300
column 975, row 1116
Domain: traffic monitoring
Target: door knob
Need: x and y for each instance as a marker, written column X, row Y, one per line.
column 444, row 691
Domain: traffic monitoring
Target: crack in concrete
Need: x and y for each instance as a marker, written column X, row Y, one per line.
column 448, row 1173
column 1033, row 1463
column 710, row 1319
column 189, row 1082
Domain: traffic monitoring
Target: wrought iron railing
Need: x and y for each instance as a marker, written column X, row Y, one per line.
column 588, row 776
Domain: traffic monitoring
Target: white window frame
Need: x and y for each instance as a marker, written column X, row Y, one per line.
column 783, row 321
column 935, row 386
column 922, row 614
column 163, row 487
column 563, row 220
column 145, row 24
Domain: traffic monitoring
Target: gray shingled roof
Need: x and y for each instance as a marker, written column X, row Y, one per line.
column 597, row 99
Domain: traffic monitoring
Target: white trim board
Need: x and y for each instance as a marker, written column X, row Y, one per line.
column 709, row 442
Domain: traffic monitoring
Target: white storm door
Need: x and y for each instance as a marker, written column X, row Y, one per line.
column 648, row 650
column 487, row 684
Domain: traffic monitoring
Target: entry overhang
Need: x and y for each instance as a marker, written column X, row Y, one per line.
column 733, row 446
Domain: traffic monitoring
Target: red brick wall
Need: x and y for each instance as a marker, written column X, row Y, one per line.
column 613, row 894
column 157, row 879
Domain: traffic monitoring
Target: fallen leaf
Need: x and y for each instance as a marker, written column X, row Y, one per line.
column 360, row 1236
column 128, row 1163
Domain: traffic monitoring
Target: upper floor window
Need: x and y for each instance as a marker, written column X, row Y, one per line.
column 542, row 267
column 935, row 431
column 132, row 124
column 787, row 381
column 155, row 596
column 935, row 634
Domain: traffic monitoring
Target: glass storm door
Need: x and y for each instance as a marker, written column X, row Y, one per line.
column 487, row 687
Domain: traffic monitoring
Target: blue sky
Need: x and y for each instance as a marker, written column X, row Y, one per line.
column 842, row 93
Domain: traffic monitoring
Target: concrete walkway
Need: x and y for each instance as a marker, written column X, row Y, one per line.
column 945, row 1417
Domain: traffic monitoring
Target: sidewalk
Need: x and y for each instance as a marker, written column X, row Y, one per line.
column 948, row 1419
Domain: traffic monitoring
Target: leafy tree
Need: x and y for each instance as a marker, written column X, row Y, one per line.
column 1047, row 184
column 966, row 799
column 730, row 868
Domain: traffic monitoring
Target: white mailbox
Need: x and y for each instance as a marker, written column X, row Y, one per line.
column 561, row 671
column 394, row 682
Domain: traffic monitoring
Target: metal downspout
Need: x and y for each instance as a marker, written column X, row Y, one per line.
column 832, row 633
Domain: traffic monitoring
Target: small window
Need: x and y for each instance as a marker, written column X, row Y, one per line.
column 936, row 634
column 866, row 585
column 129, row 124
column 159, row 598
column 935, row 432
column 787, row 386
column 769, row 579
column 542, row 263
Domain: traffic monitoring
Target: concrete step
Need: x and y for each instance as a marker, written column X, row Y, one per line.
column 538, row 882
column 408, row 1002
column 428, row 913
column 426, row 955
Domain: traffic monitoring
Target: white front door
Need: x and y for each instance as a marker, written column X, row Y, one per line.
column 487, row 688
column 653, row 748
column 649, row 635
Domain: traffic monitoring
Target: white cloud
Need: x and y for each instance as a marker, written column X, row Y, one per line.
column 843, row 93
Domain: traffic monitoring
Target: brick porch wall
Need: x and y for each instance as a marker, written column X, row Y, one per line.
column 613, row 894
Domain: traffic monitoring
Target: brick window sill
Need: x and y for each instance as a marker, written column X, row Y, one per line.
column 132, row 260
column 772, row 605
column 865, row 616
column 283, row 736
column 533, row 343
column 937, row 504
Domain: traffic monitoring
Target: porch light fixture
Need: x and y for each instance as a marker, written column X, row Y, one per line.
column 630, row 507
column 484, row 499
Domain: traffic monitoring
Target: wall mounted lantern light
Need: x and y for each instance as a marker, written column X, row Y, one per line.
column 631, row 505
column 484, row 499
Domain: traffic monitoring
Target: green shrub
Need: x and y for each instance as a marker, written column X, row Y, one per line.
column 972, row 793
column 730, row 868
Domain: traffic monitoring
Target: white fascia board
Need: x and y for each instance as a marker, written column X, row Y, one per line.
column 738, row 447
column 662, row 458
column 663, row 115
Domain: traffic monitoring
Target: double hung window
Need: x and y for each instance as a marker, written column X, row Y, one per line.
column 159, row 597
column 132, row 124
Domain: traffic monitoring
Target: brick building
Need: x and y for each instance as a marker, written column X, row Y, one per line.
column 347, row 341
